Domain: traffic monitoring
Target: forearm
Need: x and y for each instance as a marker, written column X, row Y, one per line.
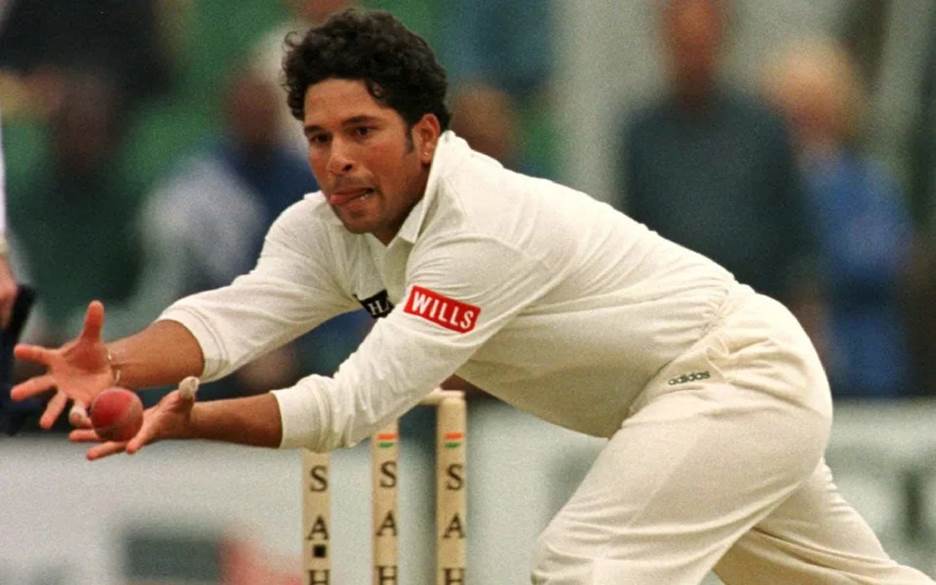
column 163, row 353
column 254, row 420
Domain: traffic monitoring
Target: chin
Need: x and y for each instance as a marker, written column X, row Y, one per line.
column 352, row 224
column 357, row 227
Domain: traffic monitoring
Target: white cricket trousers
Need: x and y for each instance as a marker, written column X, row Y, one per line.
column 720, row 465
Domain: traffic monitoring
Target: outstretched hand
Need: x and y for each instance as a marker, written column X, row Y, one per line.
column 78, row 371
column 169, row 419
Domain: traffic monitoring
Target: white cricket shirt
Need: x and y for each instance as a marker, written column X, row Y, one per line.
column 542, row 296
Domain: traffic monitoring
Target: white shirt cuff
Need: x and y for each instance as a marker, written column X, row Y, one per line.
column 302, row 415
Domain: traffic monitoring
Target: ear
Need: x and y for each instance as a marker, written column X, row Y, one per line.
column 426, row 134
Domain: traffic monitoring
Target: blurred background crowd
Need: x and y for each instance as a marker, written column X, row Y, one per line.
column 148, row 148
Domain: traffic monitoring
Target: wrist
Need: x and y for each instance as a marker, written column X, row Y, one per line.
column 115, row 368
column 190, row 430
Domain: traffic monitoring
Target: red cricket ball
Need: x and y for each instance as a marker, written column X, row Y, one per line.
column 117, row 414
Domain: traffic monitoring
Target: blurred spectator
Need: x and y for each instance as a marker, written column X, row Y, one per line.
column 244, row 170
column 507, row 44
column 504, row 46
column 487, row 118
column 72, row 74
column 712, row 168
column 42, row 40
column 863, row 228
column 73, row 215
column 922, row 328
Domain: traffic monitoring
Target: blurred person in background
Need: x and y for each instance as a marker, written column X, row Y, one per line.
column 75, row 204
column 243, row 169
column 506, row 44
column 922, row 189
column 46, row 46
column 863, row 228
column 41, row 41
column 74, row 76
column 501, row 54
column 8, row 285
column 487, row 118
column 712, row 168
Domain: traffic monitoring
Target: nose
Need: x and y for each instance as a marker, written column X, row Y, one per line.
column 339, row 159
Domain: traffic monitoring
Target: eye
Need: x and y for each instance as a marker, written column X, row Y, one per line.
column 318, row 139
column 363, row 131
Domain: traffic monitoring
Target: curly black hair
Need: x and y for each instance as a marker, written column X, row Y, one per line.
column 397, row 65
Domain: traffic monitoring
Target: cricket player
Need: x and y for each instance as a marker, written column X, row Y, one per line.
column 713, row 401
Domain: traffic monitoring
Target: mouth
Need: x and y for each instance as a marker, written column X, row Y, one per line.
column 340, row 198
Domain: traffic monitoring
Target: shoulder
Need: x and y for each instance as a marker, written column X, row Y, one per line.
column 480, row 196
column 486, row 213
column 471, row 191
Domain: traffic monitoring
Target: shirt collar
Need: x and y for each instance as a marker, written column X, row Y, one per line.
column 445, row 152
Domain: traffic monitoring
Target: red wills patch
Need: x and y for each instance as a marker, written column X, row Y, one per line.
column 441, row 310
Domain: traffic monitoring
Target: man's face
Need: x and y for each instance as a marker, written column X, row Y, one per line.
column 371, row 168
column 692, row 31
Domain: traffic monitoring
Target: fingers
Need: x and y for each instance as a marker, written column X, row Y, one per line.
column 78, row 416
column 32, row 353
column 188, row 388
column 136, row 444
column 159, row 422
column 98, row 451
column 53, row 409
column 105, row 450
column 94, row 322
column 84, row 436
column 146, row 435
column 32, row 387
